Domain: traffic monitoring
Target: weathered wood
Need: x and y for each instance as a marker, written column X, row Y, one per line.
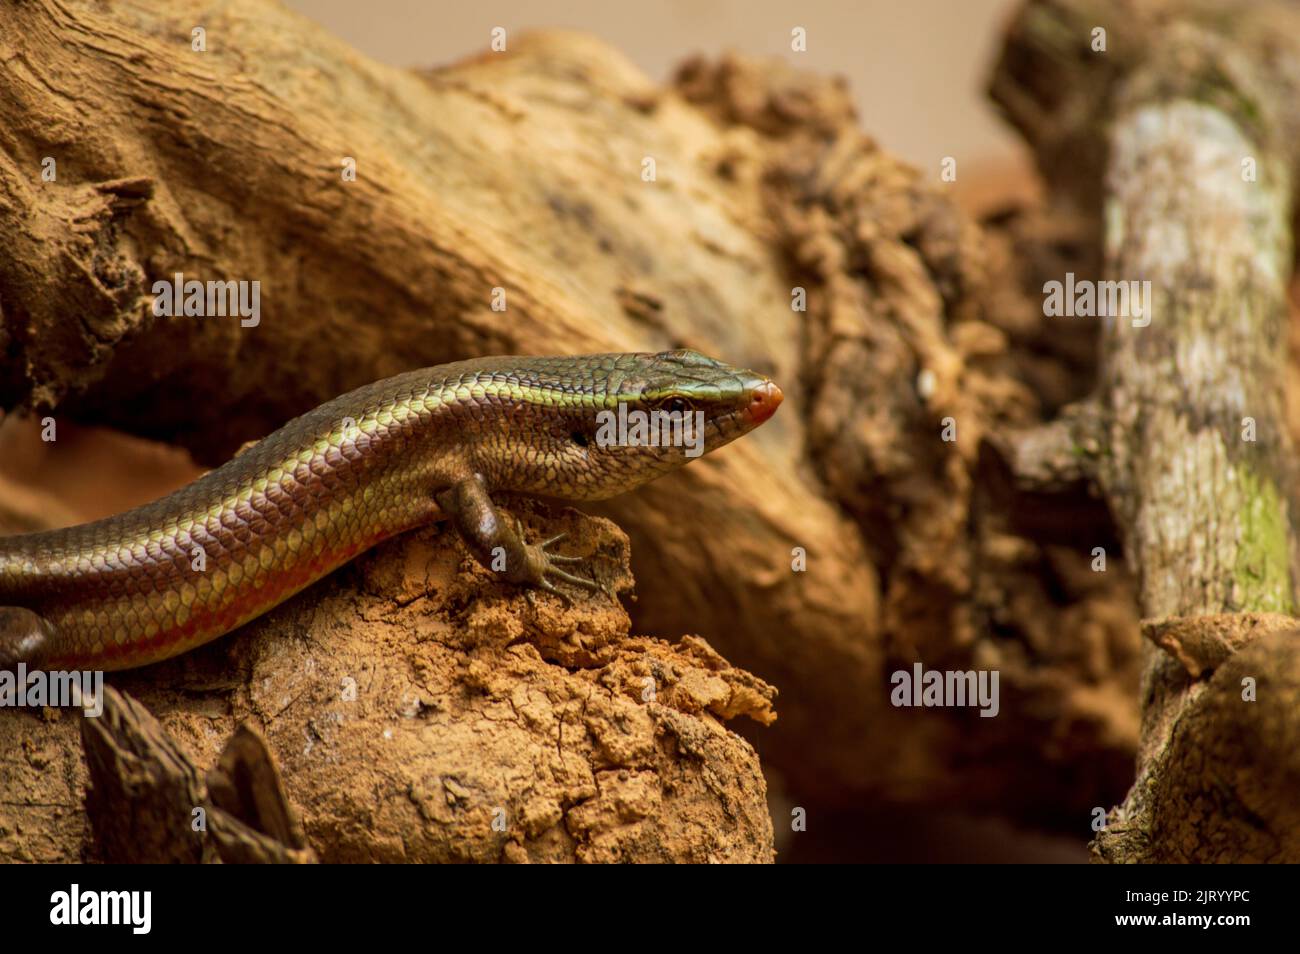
column 1181, row 133
column 143, row 791
column 249, row 814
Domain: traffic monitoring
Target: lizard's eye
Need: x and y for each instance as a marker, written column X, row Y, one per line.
column 675, row 405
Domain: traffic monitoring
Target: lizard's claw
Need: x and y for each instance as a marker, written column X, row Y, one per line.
column 547, row 564
column 558, row 557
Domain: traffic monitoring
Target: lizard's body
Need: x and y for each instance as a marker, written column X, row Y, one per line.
column 427, row 445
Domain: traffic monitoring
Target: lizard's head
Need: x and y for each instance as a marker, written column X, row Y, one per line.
column 725, row 402
column 622, row 420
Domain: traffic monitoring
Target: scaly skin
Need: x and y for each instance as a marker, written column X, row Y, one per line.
column 394, row 455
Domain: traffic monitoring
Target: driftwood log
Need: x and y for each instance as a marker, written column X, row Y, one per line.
column 1178, row 142
column 522, row 172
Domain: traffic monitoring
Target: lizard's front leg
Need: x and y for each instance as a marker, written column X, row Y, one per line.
column 499, row 546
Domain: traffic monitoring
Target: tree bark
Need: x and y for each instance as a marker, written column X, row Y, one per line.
column 1189, row 120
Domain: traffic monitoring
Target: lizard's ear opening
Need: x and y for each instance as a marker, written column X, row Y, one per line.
column 579, row 438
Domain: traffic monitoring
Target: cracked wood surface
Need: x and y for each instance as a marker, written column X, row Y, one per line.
column 417, row 712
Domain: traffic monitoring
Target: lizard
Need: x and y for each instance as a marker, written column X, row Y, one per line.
column 426, row 445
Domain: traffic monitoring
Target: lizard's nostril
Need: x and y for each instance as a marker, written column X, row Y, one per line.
column 764, row 400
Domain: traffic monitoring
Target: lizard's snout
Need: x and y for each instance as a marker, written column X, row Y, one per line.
column 764, row 400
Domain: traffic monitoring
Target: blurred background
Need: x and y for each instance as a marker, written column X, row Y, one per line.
column 916, row 69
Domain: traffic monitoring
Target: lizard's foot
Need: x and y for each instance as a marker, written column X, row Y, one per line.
column 498, row 542
column 546, row 565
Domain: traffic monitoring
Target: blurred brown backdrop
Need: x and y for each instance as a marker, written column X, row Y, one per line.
column 916, row 68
